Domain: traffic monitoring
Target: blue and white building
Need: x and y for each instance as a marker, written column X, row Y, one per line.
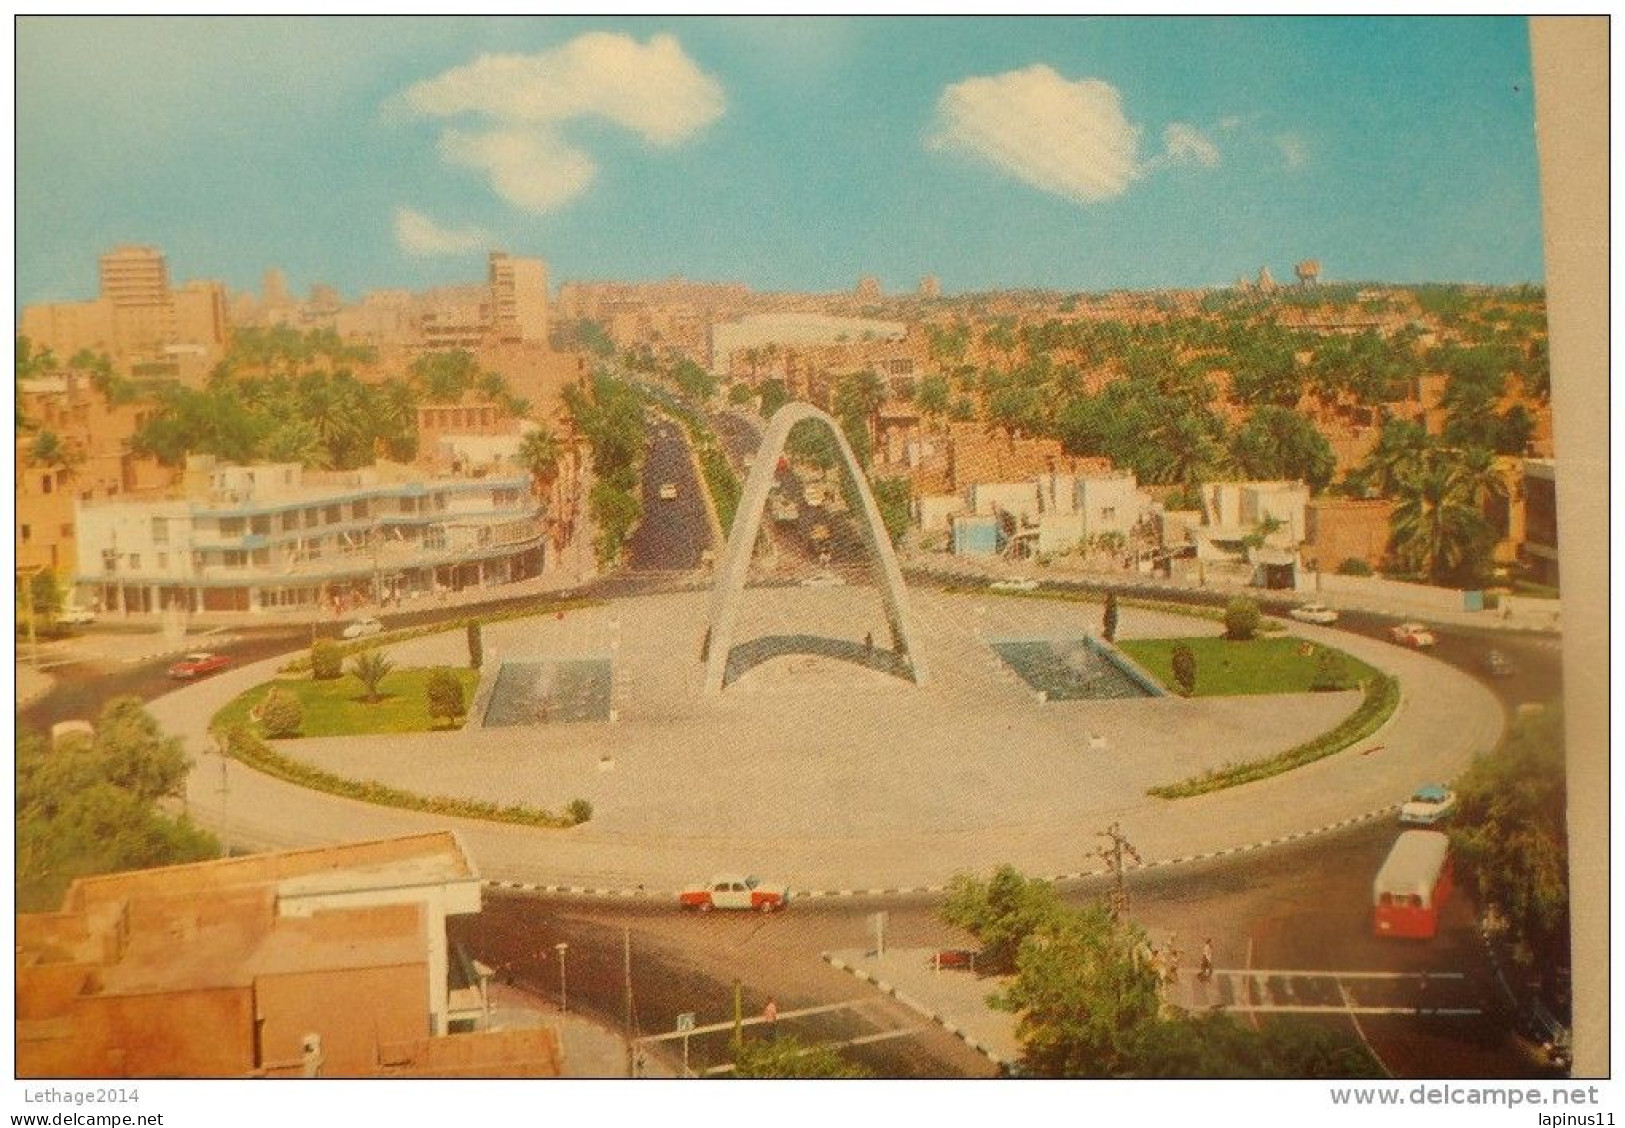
column 275, row 537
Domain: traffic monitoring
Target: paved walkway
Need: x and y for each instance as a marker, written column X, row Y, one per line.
column 835, row 784
column 590, row 1048
column 955, row 999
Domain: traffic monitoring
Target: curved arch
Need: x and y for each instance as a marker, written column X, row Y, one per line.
column 730, row 582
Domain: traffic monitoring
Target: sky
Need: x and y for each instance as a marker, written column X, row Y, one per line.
column 786, row 153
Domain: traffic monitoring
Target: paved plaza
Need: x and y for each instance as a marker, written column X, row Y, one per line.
column 836, row 774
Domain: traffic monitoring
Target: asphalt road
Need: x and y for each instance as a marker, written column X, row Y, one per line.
column 1302, row 906
column 674, row 533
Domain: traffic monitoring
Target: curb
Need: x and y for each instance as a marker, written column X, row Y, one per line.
column 917, row 1007
column 642, row 893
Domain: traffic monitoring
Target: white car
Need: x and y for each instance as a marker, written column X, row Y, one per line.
column 823, row 580
column 1317, row 613
column 668, row 491
column 77, row 616
column 1430, row 804
column 361, row 628
column 733, row 891
column 1014, row 583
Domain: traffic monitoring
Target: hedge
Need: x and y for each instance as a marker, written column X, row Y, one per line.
column 301, row 665
column 243, row 745
column 1191, row 610
column 1381, row 698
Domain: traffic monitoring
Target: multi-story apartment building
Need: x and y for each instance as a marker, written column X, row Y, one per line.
column 139, row 319
column 268, row 537
column 518, row 297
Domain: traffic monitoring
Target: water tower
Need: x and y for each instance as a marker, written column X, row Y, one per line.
column 1308, row 272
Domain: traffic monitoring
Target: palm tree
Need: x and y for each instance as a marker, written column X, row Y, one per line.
column 539, row 453
column 371, row 668
column 1438, row 529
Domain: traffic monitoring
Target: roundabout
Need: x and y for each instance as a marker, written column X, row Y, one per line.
column 828, row 771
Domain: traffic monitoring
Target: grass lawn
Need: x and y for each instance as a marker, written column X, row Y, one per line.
column 339, row 707
column 1261, row 665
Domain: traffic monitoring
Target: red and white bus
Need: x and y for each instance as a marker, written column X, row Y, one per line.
column 1412, row 886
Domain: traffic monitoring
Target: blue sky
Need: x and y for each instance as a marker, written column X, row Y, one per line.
column 785, row 153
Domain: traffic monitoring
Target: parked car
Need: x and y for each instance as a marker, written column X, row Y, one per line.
column 1317, row 613
column 1430, row 804
column 730, row 891
column 1014, row 583
column 823, row 580
column 77, row 616
column 1414, row 635
column 668, row 491
column 1498, row 665
column 361, row 628
column 199, row 664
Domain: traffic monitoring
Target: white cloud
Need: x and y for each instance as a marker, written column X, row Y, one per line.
column 1067, row 138
column 531, row 169
column 1185, row 144
column 520, row 104
column 1293, row 150
column 417, row 234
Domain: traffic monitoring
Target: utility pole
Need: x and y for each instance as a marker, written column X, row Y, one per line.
column 631, row 1054
column 1113, row 856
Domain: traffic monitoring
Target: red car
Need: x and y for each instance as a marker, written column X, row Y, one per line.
column 730, row 891
column 197, row 665
column 1414, row 635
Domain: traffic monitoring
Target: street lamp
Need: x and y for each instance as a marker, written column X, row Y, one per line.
column 564, row 999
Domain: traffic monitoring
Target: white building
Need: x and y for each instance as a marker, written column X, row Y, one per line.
column 795, row 329
column 259, row 538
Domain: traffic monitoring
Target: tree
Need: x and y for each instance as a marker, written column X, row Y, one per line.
column 856, row 404
column 894, row 497
column 1276, row 442
column 134, row 753
column 281, row 715
column 1183, row 659
column 931, row 395
column 1108, row 619
column 44, row 596
column 49, row 452
column 539, row 454
column 1438, row 528
column 694, row 381
column 87, row 805
column 774, row 396
column 1511, row 835
column 476, row 646
column 1241, row 619
column 1083, row 994
column 326, row 660
column 1401, row 447
column 371, row 667
column 789, row 1057
column 1215, row 1045
column 445, row 695
column 1000, row 912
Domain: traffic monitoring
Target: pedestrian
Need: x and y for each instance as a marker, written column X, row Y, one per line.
column 1206, row 974
column 771, row 1014
column 869, row 642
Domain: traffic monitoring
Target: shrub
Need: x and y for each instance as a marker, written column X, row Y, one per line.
column 445, row 695
column 1354, row 566
column 1241, row 619
column 476, row 646
column 1331, row 672
column 1184, row 663
column 280, row 714
column 578, row 811
column 371, row 668
column 326, row 660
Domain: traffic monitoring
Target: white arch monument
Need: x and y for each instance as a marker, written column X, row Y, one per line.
column 730, row 582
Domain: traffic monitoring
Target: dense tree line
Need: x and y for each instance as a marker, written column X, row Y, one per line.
column 609, row 414
column 91, row 804
column 272, row 401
